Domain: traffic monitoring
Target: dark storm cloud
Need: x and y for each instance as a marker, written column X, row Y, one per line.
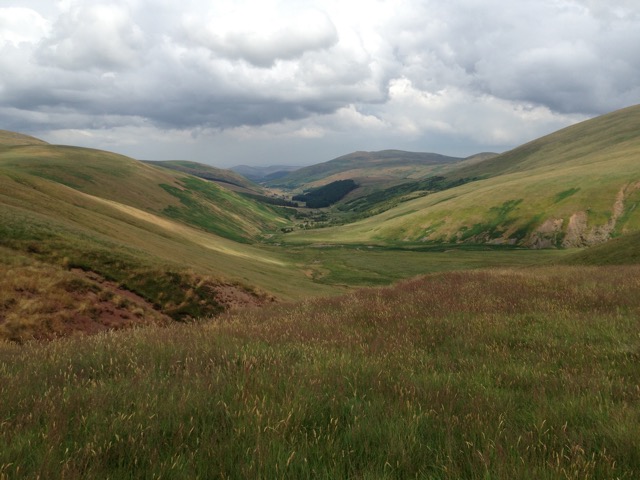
column 476, row 73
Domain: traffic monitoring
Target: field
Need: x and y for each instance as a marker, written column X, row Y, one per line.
column 496, row 374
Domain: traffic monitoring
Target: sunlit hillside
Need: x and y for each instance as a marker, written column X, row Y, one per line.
column 576, row 187
column 86, row 217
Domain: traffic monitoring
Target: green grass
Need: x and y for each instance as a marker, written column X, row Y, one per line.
column 583, row 169
column 119, row 208
column 367, row 265
column 208, row 172
column 619, row 251
column 560, row 196
column 493, row 374
column 156, row 190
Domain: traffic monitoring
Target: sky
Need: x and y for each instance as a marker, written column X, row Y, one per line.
column 297, row 82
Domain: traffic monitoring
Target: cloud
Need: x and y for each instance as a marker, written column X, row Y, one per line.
column 93, row 36
column 261, row 35
column 458, row 75
column 19, row 25
column 564, row 55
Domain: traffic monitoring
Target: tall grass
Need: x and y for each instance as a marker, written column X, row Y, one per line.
column 495, row 374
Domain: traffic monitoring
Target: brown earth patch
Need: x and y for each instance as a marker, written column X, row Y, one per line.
column 45, row 302
column 232, row 297
column 546, row 235
column 580, row 235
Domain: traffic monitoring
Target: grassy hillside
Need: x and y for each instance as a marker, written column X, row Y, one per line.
column 113, row 224
column 368, row 167
column 579, row 186
column 496, row 374
column 8, row 139
column 619, row 251
column 145, row 244
column 164, row 192
column 227, row 178
column 576, row 145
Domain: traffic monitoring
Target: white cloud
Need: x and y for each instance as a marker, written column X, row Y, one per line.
column 100, row 36
column 260, row 33
column 273, row 74
column 21, row 25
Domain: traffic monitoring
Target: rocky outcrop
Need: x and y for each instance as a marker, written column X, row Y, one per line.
column 547, row 235
column 580, row 235
column 577, row 232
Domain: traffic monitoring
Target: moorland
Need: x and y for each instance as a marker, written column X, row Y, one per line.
column 439, row 318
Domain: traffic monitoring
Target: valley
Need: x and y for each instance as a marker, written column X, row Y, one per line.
column 431, row 317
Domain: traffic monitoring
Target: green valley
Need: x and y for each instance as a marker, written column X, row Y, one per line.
column 576, row 187
column 432, row 317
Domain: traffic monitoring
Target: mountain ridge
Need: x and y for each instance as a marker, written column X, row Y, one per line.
column 384, row 164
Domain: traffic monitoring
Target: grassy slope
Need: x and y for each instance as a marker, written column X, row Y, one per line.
column 42, row 300
column 150, row 230
column 581, row 171
column 160, row 191
column 619, row 251
column 509, row 374
column 14, row 138
column 107, row 195
column 368, row 167
column 207, row 172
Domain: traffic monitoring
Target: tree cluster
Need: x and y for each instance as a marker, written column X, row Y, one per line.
column 326, row 195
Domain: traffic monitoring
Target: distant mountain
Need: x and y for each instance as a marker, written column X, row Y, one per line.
column 576, row 187
column 260, row 174
column 383, row 167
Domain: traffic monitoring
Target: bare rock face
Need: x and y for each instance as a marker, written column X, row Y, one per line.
column 578, row 233
column 576, row 230
column 547, row 234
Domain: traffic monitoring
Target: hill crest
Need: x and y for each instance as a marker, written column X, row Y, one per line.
column 366, row 167
column 14, row 139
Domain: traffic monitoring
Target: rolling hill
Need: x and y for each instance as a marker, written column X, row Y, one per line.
column 228, row 179
column 495, row 373
column 129, row 182
column 264, row 174
column 93, row 240
column 578, row 186
column 225, row 178
column 114, row 227
column 386, row 167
